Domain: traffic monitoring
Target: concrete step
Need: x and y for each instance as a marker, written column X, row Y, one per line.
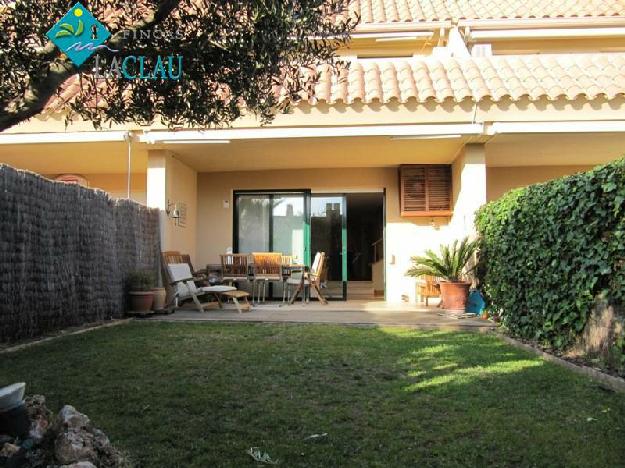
column 360, row 290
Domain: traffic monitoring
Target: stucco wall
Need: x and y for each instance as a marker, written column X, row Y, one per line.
column 170, row 182
column 182, row 188
column 501, row 179
column 404, row 236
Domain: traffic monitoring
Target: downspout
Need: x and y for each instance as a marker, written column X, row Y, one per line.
column 128, row 139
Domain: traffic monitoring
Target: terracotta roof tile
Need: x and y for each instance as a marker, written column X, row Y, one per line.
column 429, row 78
column 392, row 11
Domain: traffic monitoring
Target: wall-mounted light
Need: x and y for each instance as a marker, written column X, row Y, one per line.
column 172, row 211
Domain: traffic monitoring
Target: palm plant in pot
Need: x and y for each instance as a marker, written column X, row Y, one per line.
column 139, row 284
column 450, row 264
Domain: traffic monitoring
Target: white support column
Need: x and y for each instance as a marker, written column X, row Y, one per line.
column 469, row 188
column 171, row 184
column 156, row 196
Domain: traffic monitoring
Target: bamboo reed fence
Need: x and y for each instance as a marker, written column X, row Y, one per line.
column 65, row 251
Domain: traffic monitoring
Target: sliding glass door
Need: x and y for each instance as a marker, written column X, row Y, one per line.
column 295, row 223
column 272, row 222
column 328, row 233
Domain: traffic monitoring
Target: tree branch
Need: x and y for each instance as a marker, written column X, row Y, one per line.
column 41, row 89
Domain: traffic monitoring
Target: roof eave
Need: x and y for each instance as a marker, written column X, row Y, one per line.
column 529, row 23
column 415, row 26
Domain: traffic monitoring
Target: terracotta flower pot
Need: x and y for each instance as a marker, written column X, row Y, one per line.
column 160, row 295
column 141, row 301
column 454, row 295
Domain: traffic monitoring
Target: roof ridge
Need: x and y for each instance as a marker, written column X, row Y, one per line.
column 420, row 11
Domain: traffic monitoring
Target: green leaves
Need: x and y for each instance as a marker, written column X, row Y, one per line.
column 62, row 34
column 67, row 27
column 450, row 264
column 548, row 250
column 68, row 30
column 256, row 58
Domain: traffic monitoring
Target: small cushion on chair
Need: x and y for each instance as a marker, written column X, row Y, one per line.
column 217, row 289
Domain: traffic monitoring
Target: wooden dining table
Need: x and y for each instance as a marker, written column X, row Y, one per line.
column 287, row 271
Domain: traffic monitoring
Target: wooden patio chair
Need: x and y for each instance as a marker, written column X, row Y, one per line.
column 428, row 287
column 234, row 267
column 171, row 256
column 184, row 289
column 312, row 279
column 266, row 267
column 174, row 256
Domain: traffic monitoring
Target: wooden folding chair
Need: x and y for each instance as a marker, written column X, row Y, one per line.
column 266, row 267
column 234, row 267
column 312, row 279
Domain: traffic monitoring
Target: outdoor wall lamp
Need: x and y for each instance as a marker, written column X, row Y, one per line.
column 172, row 211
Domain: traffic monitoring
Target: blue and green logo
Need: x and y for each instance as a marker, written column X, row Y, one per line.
column 78, row 34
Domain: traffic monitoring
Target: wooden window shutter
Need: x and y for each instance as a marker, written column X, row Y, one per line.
column 425, row 190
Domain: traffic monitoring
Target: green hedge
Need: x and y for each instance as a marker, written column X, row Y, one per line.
column 549, row 249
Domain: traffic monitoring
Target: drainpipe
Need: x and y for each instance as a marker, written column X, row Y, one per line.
column 128, row 139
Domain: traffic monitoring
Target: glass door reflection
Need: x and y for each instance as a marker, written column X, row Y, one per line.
column 328, row 234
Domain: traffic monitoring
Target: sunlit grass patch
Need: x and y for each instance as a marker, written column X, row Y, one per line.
column 199, row 395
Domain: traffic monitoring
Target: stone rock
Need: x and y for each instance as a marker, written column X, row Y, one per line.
column 9, row 450
column 40, row 417
column 74, row 445
column 68, row 441
column 70, row 418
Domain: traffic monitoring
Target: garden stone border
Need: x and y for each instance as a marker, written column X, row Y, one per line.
column 84, row 329
column 613, row 383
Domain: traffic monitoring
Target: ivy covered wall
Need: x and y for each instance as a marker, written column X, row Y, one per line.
column 550, row 250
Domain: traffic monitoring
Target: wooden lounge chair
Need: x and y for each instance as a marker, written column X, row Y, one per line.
column 173, row 256
column 185, row 288
column 312, row 279
column 428, row 287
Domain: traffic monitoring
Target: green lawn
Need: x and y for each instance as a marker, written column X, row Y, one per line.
column 200, row 395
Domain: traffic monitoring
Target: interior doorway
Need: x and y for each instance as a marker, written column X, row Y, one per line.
column 365, row 245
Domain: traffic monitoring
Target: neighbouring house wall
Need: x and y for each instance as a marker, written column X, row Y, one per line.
column 404, row 236
column 116, row 185
column 65, row 253
column 171, row 182
column 502, row 179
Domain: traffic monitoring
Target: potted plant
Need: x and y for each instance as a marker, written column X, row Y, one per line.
column 160, row 297
column 140, row 284
column 449, row 265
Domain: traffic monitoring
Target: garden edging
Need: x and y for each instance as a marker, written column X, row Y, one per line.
column 610, row 381
column 62, row 333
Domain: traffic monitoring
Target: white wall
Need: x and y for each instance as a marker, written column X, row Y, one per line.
column 169, row 182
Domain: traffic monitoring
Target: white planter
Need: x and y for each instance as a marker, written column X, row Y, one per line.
column 12, row 396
